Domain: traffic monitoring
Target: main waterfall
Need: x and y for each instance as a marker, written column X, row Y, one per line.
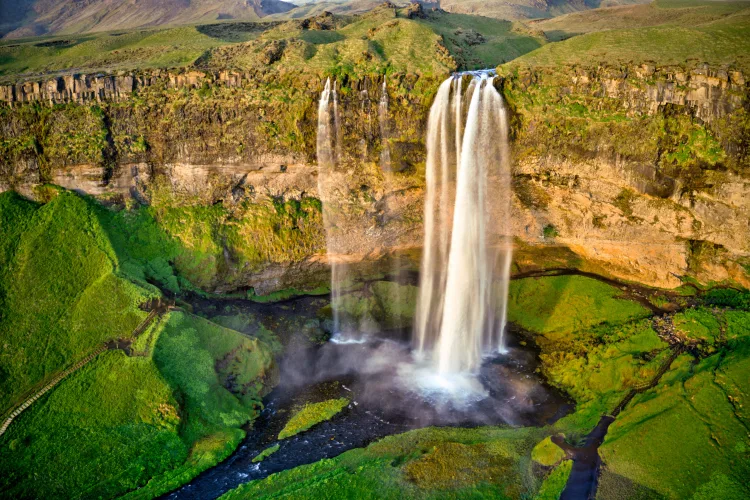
column 461, row 310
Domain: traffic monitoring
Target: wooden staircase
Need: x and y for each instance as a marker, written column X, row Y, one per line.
column 158, row 308
column 59, row 378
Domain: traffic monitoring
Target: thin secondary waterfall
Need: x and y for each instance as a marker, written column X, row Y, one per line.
column 385, row 152
column 328, row 147
column 461, row 310
column 336, row 121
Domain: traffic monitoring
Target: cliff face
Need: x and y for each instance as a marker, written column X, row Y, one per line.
column 640, row 172
column 641, row 169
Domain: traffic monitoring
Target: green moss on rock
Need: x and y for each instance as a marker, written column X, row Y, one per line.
column 312, row 414
column 547, row 453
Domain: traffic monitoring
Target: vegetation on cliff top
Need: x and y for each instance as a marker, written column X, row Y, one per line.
column 664, row 33
column 385, row 39
column 141, row 49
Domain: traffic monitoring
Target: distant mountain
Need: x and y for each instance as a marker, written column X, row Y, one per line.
column 22, row 18
column 527, row 9
column 25, row 18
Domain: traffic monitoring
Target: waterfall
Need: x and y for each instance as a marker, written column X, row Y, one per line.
column 336, row 120
column 385, row 153
column 328, row 152
column 466, row 258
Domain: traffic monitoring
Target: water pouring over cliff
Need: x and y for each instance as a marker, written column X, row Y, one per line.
column 467, row 245
column 385, row 153
column 328, row 148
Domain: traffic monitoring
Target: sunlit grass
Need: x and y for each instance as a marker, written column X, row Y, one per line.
column 312, row 414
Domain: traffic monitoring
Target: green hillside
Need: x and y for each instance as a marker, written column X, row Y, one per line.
column 385, row 39
column 667, row 33
column 169, row 408
column 61, row 295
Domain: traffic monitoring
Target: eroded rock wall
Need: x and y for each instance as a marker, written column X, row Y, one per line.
column 642, row 172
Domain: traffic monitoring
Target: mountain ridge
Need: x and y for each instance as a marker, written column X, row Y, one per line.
column 30, row 18
column 41, row 17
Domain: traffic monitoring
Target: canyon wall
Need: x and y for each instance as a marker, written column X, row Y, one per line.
column 637, row 172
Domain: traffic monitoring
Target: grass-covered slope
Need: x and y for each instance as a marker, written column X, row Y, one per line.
column 714, row 32
column 690, row 435
column 121, row 421
column 73, row 274
column 675, row 13
column 61, row 296
column 566, row 304
column 150, row 48
column 380, row 40
column 478, row 42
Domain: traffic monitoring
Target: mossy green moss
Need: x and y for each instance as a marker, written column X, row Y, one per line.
column 643, row 446
column 266, row 453
column 148, row 422
column 141, row 421
column 554, row 484
column 117, row 419
column 564, row 304
column 547, row 453
column 222, row 243
column 698, row 325
column 554, row 117
column 426, row 463
column 311, row 414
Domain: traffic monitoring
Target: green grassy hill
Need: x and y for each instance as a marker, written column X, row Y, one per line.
column 386, row 39
column 149, row 48
column 383, row 39
column 665, row 33
column 61, row 295
column 678, row 13
column 72, row 275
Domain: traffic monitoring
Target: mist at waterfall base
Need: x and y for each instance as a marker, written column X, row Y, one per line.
column 460, row 319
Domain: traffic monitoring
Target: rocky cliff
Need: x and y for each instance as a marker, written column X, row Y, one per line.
column 643, row 170
column 639, row 172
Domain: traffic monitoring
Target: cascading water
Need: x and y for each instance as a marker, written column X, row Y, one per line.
column 385, row 152
column 466, row 259
column 328, row 147
column 336, row 121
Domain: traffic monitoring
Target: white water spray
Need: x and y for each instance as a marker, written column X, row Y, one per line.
column 467, row 246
